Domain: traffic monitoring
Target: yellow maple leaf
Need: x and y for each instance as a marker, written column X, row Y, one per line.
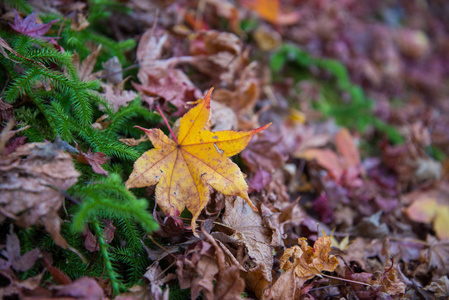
column 309, row 262
column 183, row 169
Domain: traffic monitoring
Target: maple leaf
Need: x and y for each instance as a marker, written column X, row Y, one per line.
column 183, row 168
column 94, row 159
column 15, row 260
column 28, row 26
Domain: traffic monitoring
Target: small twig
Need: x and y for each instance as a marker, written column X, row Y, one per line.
column 165, row 270
column 168, row 125
column 136, row 65
column 409, row 240
column 160, row 246
column 325, row 287
column 216, row 223
column 347, row 280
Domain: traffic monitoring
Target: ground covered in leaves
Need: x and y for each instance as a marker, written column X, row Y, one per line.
column 344, row 196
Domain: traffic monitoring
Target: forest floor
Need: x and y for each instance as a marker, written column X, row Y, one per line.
column 292, row 149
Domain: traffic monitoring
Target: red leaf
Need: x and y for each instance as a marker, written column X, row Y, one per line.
column 28, row 26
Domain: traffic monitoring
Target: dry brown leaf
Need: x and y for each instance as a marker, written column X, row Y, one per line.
column 264, row 151
column 255, row 281
column 113, row 71
column 116, row 97
column 86, row 67
column 309, row 262
column 440, row 287
column 134, row 142
column 249, row 229
column 30, row 187
column 242, row 98
column 326, row 158
column 285, row 287
column 204, row 269
column 197, row 269
column 437, row 256
column 229, row 285
column 158, row 77
column 391, row 285
column 222, row 117
column 82, row 288
column 218, row 53
column 267, row 39
column 14, row 259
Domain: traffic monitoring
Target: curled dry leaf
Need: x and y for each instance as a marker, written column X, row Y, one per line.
column 309, row 262
column 31, row 179
column 218, row 53
column 391, row 285
column 133, row 142
column 183, row 169
column 440, row 287
column 198, row 270
column 229, row 285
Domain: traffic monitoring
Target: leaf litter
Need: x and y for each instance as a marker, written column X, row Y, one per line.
column 248, row 227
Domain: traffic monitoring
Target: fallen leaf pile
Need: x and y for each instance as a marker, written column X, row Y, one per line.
column 290, row 150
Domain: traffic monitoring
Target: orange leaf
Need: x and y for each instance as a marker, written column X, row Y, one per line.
column 431, row 206
column 183, row 170
column 326, row 158
column 347, row 148
column 270, row 10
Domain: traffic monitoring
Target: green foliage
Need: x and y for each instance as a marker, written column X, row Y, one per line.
column 49, row 79
column 43, row 85
column 109, row 197
column 356, row 113
column 20, row 5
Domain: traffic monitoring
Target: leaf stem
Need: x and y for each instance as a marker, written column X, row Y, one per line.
column 168, row 125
